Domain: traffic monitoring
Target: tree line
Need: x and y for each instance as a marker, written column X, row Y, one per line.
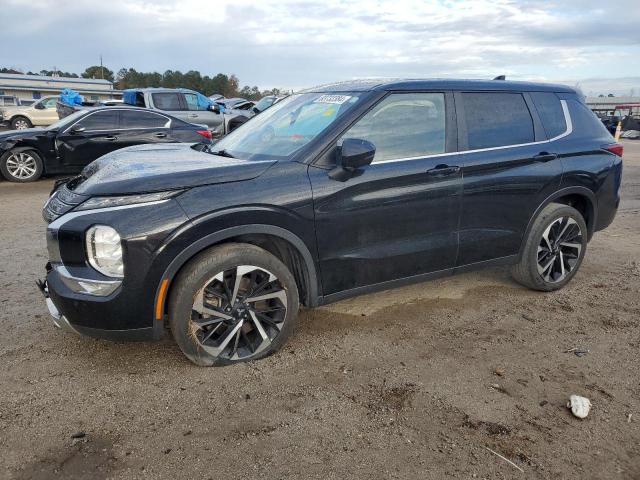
column 226, row 85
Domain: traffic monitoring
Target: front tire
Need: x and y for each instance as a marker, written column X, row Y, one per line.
column 21, row 165
column 21, row 123
column 232, row 303
column 554, row 250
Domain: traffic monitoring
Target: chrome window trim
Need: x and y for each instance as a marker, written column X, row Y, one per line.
column 167, row 125
column 568, row 131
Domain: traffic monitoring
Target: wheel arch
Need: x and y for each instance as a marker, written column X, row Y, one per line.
column 23, row 115
column 581, row 198
column 282, row 243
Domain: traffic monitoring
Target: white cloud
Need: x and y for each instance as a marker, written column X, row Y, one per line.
column 294, row 43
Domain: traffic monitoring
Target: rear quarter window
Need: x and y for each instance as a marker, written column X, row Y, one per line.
column 550, row 112
column 497, row 119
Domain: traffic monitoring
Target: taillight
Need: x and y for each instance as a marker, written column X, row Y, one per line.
column 615, row 148
column 205, row 133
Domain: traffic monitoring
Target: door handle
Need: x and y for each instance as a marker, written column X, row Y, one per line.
column 443, row 170
column 160, row 135
column 545, row 157
column 110, row 138
column 193, row 115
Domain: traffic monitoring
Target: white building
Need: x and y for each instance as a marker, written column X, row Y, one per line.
column 33, row 87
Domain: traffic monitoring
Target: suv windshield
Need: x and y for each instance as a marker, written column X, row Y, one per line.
column 286, row 127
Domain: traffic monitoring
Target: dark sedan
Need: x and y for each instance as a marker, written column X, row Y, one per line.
column 75, row 141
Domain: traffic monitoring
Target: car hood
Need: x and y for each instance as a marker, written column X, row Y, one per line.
column 153, row 168
column 24, row 133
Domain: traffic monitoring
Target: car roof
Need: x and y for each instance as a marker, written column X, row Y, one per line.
column 366, row 85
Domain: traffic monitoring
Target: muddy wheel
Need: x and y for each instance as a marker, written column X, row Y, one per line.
column 232, row 303
column 554, row 250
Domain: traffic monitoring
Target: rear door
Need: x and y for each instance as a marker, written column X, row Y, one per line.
column 139, row 126
column 175, row 104
column 399, row 217
column 509, row 168
column 99, row 137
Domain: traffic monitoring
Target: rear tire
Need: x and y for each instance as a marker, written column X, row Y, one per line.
column 232, row 303
column 554, row 249
column 21, row 123
column 21, row 165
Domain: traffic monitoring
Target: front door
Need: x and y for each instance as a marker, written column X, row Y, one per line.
column 398, row 217
column 89, row 138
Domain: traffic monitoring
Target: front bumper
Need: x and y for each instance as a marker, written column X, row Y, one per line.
column 78, row 313
column 59, row 320
column 100, row 306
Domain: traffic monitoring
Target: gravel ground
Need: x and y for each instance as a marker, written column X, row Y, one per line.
column 417, row 382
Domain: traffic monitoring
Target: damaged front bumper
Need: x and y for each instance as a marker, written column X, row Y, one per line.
column 59, row 320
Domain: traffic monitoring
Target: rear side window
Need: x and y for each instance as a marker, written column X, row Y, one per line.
column 136, row 119
column 107, row 120
column 167, row 101
column 404, row 125
column 497, row 119
column 550, row 112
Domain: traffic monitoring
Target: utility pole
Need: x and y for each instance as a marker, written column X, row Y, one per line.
column 101, row 68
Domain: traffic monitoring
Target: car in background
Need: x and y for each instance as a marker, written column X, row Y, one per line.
column 75, row 141
column 216, row 96
column 187, row 105
column 229, row 103
column 41, row 114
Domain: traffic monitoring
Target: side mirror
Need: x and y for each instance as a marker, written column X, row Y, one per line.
column 354, row 153
column 76, row 130
column 39, row 106
column 214, row 108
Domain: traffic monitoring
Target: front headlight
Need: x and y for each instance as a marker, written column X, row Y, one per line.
column 104, row 250
column 105, row 202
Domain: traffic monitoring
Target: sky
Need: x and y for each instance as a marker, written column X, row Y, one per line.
column 294, row 44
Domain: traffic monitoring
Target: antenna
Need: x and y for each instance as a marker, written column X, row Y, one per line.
column 500, row 77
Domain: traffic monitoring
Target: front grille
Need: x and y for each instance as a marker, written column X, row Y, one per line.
column 60, row 203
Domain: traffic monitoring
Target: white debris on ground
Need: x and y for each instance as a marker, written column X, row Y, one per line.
column 579, row 406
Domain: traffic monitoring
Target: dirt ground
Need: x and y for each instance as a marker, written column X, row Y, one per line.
column 400, row 384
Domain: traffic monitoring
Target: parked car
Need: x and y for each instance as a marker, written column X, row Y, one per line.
column 230, row 102
column 41, row 114
column 266, row 102
column 186, row 105
column 250, row 108
column 334, row 192
column 73, row 142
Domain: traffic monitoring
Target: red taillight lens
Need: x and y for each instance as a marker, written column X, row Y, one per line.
column 615, row 148
column 204, row 133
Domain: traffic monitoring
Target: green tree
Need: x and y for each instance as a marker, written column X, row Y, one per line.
column 96, row 71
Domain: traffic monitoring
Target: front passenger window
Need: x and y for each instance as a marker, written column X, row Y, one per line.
column 404, row 125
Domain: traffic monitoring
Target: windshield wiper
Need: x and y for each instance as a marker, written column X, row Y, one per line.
column 223, row 153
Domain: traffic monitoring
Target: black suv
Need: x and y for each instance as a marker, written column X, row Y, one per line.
column 333, row 192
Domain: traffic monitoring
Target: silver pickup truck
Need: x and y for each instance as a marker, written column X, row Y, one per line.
column 187, row 105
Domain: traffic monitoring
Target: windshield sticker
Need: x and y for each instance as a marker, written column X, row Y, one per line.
column 335, row 99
